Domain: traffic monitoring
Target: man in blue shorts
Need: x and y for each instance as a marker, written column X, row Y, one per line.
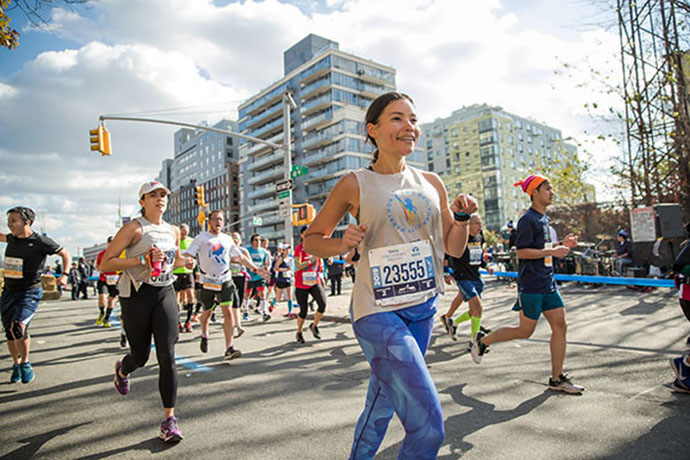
column 537, row 292
column 25, row 258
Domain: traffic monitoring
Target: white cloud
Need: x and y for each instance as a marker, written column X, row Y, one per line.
column 171, row 53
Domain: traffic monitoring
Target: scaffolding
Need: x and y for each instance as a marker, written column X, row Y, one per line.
column 655, row 73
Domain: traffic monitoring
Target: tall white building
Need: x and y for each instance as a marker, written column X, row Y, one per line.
column 332, row 90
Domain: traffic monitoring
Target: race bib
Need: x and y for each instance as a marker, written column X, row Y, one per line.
column 212, row 286
column 111, row 280
column 14, row 267
column 309, row 278
column 548, row 260
column 475, row 255
column 401, row 273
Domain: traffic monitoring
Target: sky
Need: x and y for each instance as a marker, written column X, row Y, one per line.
column 197, row 60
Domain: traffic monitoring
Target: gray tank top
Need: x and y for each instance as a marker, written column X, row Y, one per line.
column 163, row 237
column 401, row 262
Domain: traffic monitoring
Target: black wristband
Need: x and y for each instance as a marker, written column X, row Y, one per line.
column 461, row 216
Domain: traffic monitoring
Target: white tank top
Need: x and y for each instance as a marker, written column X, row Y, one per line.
column 401, row 261
column 163, row 237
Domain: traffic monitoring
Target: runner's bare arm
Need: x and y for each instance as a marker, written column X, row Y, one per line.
column 127, row 236
column 64, row 255
column 455, row 234
column 3, row 238
column 343, row 198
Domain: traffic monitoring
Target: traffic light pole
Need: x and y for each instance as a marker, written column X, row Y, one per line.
column 288, row 103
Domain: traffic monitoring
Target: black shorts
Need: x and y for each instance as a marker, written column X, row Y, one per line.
column 283, row 284
column 256, row 284
column 183, row 281
column 209, row 298
column 104, row 288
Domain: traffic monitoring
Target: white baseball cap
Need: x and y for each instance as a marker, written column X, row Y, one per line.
column 148, row 187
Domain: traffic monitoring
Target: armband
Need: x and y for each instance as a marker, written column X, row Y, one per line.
column 461, row 216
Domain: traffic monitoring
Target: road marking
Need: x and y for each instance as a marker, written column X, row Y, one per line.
column 648, row 390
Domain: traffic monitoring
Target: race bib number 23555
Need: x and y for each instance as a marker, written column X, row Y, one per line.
column 401, row 273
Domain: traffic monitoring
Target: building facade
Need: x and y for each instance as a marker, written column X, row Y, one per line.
column 484, row 150
column 207, row 159
column 332, row 90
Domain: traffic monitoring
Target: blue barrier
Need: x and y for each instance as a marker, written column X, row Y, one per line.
column 600, row 279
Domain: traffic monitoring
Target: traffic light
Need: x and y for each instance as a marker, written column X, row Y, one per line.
column 199, row 195
column 100, row 140
column 302, row 214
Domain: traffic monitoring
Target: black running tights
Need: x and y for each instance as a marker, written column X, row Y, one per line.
column 152, row 311
column 317, row 293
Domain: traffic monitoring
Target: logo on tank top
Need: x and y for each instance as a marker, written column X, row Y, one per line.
column 408, row 210
column 216, row 252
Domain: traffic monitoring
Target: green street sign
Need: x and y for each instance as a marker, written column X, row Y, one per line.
column 285, row 194
column 297, row 171
column 257, row 221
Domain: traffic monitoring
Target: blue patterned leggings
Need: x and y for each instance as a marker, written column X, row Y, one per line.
column 394, row 344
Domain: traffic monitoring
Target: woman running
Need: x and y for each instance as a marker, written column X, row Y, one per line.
column 404, row 226
column 308, row 282
column 282, row 266
column 147, row 297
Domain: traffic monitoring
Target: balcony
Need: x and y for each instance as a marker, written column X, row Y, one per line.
column 317, row 121
column 372, row 91
column 260, row 192
column 317, row 140
column 368, row 76
column 314, row 105
column 319, row 86
column 276, row 111
column 262, row 206
column 257, row 147
column 271, row 159
column 329, row 172
column 266, row 176
column 276, row 235
column 268, row 128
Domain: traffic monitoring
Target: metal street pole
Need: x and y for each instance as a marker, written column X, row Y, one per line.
column 288, row 103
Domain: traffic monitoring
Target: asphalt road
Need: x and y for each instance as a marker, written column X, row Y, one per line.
column 282, row 400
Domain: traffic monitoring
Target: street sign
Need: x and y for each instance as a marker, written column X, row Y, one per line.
column 284, row 203
column 297, row 171
column 284, row 212
column 284, row 185
column 285, row 194
column 257, row 221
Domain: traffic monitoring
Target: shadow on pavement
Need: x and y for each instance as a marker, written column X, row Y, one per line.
column 481, row 415
column 662, row 441
column 153, row 445
column 36, row 442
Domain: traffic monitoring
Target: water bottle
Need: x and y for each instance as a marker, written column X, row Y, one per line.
column 156, row 268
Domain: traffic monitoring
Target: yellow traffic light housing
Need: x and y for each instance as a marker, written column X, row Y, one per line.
column 100, row 140
column 302, row 214
column 199, row 195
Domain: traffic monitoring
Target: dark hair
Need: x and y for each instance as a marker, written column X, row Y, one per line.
column 375, row 109
column 27, row 214
column 255, row 235
column 217, row 211
column 303, row 229
column 110, row 238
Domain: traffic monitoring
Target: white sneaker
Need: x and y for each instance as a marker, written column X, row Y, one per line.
column 565, row 384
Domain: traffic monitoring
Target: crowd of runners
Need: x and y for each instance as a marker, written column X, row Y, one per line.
column 410, row 240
